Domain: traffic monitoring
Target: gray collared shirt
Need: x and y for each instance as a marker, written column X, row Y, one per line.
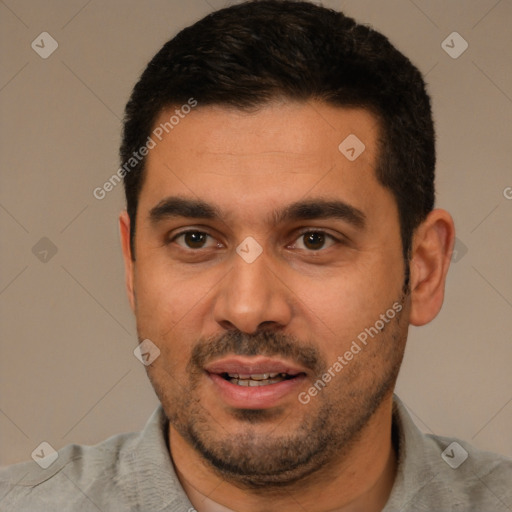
column 134, row 472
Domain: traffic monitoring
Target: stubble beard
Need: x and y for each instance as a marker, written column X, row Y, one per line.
column 327, row 432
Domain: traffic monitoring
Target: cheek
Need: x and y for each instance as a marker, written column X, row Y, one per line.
column 335, row 311
column 161, row 289
column 172, row 303
column 162, row 315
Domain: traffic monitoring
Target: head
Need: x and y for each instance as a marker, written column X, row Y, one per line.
column 254, row 239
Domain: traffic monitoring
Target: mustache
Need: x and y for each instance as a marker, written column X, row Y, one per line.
column 265, row 343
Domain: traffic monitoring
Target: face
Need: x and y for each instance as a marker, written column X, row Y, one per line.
column 269, row 273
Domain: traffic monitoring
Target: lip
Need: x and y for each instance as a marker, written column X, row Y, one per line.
column 257, row 397
column 253, row 365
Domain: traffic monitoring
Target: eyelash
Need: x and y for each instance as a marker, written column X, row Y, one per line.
column 302, row 233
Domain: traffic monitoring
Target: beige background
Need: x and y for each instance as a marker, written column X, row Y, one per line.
column 67, row 369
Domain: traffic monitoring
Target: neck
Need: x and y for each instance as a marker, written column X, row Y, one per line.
column 360, row 480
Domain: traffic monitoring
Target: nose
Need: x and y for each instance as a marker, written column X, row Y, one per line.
column 252, row 296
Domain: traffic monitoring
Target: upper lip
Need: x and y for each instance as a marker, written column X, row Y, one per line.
column 255, row 365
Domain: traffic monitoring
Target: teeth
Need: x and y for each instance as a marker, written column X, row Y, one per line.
column 254, row 383
column 255, row 376
column 256, row 379
column 260, row 376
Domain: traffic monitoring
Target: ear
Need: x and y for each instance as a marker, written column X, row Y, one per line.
column 431, row 255
column 124, row 229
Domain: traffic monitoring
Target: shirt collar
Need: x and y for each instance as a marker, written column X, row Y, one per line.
column 158, row 486
column 414, row 469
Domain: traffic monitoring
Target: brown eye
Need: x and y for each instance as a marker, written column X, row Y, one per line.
column 315, row 240
column 195, row 240
column 192, row 240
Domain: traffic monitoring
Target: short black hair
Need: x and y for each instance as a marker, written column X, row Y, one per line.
column 249, row 54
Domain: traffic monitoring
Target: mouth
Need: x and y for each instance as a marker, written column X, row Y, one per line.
column 256, row 382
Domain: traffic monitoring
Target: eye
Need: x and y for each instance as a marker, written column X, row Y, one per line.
column 315, row 240
column 193, row 239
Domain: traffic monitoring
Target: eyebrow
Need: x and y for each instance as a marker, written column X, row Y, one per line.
column 311, row 209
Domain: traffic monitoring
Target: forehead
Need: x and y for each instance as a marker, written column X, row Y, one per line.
column 274, row 155
column 295, row 128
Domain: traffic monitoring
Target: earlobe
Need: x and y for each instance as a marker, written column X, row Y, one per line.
column 431, row 254
column 124, row 230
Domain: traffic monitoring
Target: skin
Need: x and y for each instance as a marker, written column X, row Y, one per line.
column 309, row 298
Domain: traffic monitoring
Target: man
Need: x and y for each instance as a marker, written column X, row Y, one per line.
column 279, row 239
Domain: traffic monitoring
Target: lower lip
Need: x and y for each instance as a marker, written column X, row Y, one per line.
column 255, row 397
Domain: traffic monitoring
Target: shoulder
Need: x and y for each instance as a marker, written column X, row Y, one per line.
column 445, row 473
column 74, row 481
column 477, row 477
column 125, row 472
